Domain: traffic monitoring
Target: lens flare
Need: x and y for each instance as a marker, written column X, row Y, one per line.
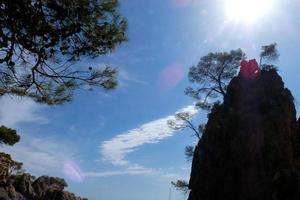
column 171, row 76
column 72, row 171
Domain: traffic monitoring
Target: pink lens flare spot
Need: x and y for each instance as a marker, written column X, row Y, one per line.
column 249, row 69
column 172, row 75
column 73, row 171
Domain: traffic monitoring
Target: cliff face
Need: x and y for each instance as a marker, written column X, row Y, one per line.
column 250, row 148
column 26, row 187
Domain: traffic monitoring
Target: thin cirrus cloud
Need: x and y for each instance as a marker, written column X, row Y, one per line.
column 46, row 156
column 127, row 78
column 116, row 149
column 128, row 171
column 40, row 155
column 15, row 110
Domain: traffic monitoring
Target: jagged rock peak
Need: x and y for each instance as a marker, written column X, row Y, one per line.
column 250, row 148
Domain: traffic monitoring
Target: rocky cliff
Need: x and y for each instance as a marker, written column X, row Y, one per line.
column 23, row 186
column 250, row 147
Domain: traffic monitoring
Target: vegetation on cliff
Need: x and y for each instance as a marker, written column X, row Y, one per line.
column 210, row 79
column 249, row 147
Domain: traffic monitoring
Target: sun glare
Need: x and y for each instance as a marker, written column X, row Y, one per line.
column 247, row 10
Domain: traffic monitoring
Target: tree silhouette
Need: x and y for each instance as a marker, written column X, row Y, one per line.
column 212, row 74
column 268, row 53
column 8, row 136
column 181, row 186
column 189, row 153
column 41, row 40
column 183, row 120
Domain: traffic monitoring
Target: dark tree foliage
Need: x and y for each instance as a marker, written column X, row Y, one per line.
column 183, row 120
column 268, row 54
column 181, row 186
column 8, row 136
column 212, row 74
column 189, row 153
column 41, row 40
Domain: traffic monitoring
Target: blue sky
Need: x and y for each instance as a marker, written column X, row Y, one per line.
column 117, row 145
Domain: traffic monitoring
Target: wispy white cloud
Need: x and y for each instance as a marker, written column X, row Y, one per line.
column 15, row 110
column 40, row 155
column 116, row 149
column 119, row 172
column 51, row 156
column 133, row 171
column 125, row 78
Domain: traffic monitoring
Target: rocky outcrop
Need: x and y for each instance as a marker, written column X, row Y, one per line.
column 250, row 147
column 25, row 186
column 4, row 164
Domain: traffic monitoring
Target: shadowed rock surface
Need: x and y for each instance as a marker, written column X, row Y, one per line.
column 250, row 148
column 23, row 186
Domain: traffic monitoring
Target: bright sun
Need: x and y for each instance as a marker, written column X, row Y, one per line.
column 247, row 10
